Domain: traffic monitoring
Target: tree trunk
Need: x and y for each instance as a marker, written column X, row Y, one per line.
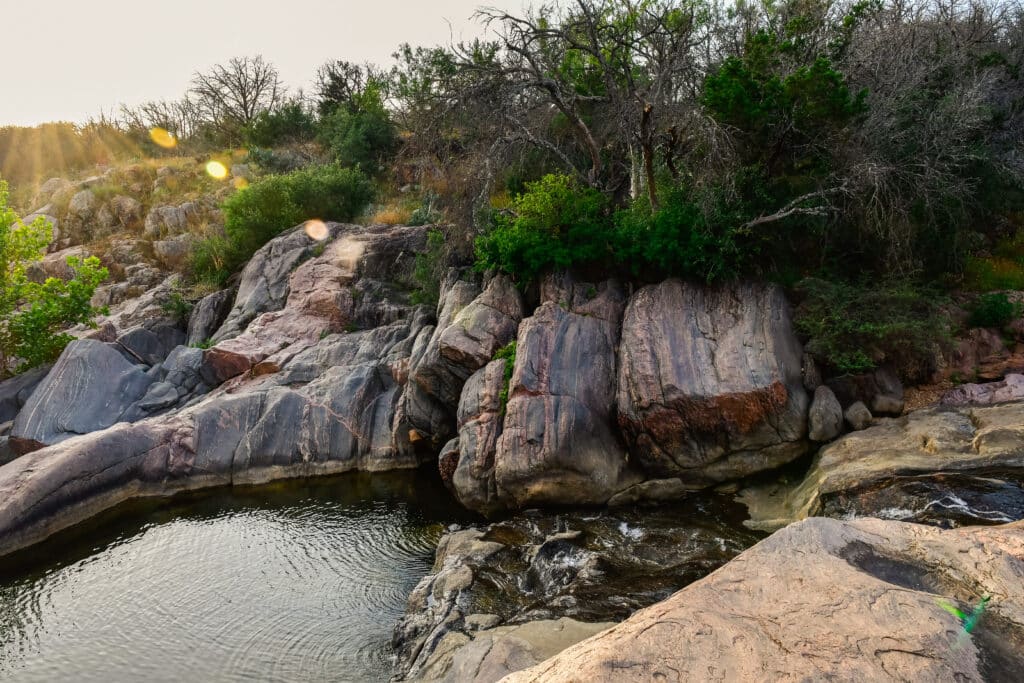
column 647, row 148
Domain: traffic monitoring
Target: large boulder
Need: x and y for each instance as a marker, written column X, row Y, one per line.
column 207, row 316
column 472, row 325
column 941, row 466
column 1010, row 388
column 90, row 388
column 558, row 445
column 15, row 391
column 826, row 415
column 709, row 382
column 826, row 600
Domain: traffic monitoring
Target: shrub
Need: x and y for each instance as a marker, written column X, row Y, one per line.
column 555, row 224
column 32, row 314
column 288, row 124
column 361, row 139
column 258, row 213
column 994, row 310
column 507, row 353
column 857, row 327
column 429, row 270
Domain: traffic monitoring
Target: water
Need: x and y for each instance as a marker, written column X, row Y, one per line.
column 281, row 583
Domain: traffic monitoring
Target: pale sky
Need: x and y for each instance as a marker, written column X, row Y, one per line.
column 66, row 60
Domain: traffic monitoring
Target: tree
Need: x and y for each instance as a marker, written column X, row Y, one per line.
column 237, row 92
column 33, row 315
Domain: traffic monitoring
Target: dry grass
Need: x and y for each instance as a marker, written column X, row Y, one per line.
column 391, row 214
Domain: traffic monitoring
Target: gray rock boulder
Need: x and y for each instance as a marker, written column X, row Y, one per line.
column 208, row 315
column 173, row 253
column 127, row 212
column 825, row 600
column 89, row 389
column 858, row 416
column 1010, row 388
column 150, row 344
column 710, row 385
column 825, row 417
column 15, row 391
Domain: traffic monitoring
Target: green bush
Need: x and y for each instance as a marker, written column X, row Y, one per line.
column 363, row 139
column 857, row 327
column 289, row 123
column 255, row 215
column 555, row 224
column 508, row 354
column 994, row 310
column 33, row 315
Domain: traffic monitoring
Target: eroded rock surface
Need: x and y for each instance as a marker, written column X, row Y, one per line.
column 944, row 466
column 826, row 600
column 710, row 385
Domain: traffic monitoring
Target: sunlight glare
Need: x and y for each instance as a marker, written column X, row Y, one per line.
column 163, row 138
column 317, row 229
column 217, row 170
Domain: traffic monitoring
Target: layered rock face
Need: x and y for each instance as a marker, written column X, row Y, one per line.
column 941, row 466
column 710, row 381
column 826, row 600
column 301, row 397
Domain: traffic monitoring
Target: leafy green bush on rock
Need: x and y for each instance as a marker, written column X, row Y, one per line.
column 994, row 310
column 255, row 215
column 33, row 315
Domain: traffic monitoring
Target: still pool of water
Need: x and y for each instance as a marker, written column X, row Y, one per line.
column 281, row 583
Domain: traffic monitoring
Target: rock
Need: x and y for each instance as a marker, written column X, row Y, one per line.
column 865, row 387
column 858, row 416
column 886, row 405
column 826, row 415
column 159, row 396
column 166, row 221
column 15, row 391
column 589, row 566
column 89, row 388
column 127, row 212
column 472, row 326
column 54, row 191
column 940, row 466
column 825, row 600
column 467, row 466
column 981, row 354
column 810, row 373
column 558, row 446
column 150, row 346
column 173, row 253
column 1011, row 388
column 56, row 265
column 709, row 382
column 208, row 315
column 83, row 205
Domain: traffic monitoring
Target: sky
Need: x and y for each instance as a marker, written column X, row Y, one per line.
column 67, row 60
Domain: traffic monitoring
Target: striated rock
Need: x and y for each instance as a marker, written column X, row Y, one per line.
column 826, row 600
column 558, row 445
column 826, row 415
column 150, row 344
column 208, row 315
column 858, row 416
column 471, row 326
column 1011, row 388
column 89, row 388
column 710, row 386
column 467, row 465
column 938, row 466
column 15, row 391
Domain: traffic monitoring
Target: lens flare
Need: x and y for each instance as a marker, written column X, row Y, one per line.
column 317, row 229
column 164, row 138
column 217, row 170
column 240, row 183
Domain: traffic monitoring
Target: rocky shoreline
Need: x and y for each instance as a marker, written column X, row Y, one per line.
column 615, row 398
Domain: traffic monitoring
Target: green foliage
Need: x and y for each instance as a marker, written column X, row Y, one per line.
column 32, row 314
column 555, row 224
column 289, row 123
column 361, row 136
column 994, row 310
column 176, row 306
column 429, row 270
column 258, row 213
column 508, row 354
column 425, row 213
column 857, row 327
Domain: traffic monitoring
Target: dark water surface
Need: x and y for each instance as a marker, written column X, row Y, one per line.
column 295, row 582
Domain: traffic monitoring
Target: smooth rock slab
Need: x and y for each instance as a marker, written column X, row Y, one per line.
column 90, row 387
column 825, row 600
